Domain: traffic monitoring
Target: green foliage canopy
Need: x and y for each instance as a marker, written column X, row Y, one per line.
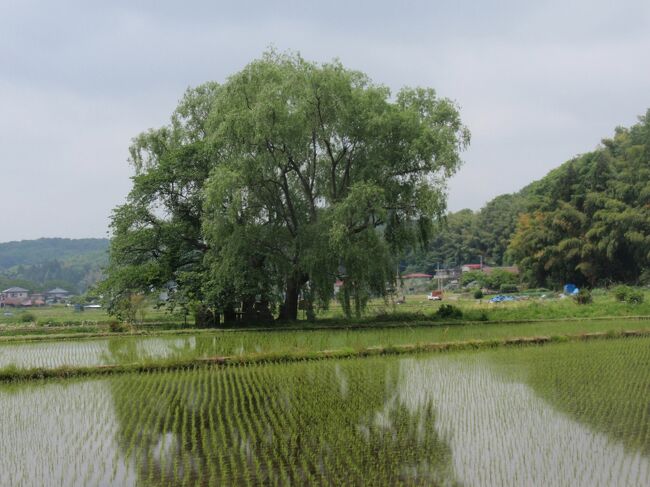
column 280, row 181
column 590, row 219
column 157, row 244
column 321, row 177
column 466, row 236
column 586, row 222
column 495, row 279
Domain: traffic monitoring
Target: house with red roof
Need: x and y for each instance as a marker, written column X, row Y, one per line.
column 416, row 282
column 472, row 267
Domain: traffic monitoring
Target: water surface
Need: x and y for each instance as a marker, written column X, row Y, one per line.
column 501, row 417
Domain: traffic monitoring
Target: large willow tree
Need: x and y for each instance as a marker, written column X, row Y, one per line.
column 298, row 174
column 158, row 244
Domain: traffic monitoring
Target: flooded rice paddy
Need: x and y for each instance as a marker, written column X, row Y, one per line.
column 138, row 349
column 568, row 414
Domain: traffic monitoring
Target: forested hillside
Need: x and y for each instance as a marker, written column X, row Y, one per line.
column 588, row 221
column 74, row 264
column 466, row 236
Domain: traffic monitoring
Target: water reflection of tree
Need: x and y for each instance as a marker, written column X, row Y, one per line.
column 299, row 424
column 604, row 385
column 129, row 350
column 121, row 351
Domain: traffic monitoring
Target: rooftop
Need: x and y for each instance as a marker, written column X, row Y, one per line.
column 58, row 290
column 417, row 275
column 15, row 290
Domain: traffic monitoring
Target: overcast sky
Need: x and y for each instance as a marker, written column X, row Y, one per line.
column 537, row 83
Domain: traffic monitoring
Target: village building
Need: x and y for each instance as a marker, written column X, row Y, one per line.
column 14, row 296
column 57, row 294
column 416, row 282
column 513, row 269
column 472, row 267
column 451, row 273
column 38, row 299
column 448, row 278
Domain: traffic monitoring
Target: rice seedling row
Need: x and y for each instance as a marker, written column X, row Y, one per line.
column 564, row 414
column 139, row 349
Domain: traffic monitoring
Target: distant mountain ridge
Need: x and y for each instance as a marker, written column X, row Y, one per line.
column 29, row 252
column 74, row 264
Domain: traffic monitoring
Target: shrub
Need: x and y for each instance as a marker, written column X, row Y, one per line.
column 116, row 327
column 583, row 297
column 628, row 294
column 478, row 294
column 449, row 311
column 509, row 288
column 27, row 317
column 494, row 280
column 644, row 278
column 621, row 292
column 634, row 296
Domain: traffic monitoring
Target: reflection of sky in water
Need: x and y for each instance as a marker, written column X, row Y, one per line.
column 61, row 435
column 93, row 352
column 501, row 433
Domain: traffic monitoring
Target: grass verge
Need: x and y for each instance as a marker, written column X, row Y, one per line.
column 76, row 334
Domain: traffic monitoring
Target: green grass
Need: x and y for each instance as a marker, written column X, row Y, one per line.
column 55, row 319
column 62, row 315
column 605, row 304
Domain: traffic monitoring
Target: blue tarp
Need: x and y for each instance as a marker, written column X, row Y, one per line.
column 500, row 298
column 570, row 289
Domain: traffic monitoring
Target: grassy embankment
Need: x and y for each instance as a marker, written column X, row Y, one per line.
column 62, row 315
column 61, row 319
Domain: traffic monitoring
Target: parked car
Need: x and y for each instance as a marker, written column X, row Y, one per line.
column 435, row 296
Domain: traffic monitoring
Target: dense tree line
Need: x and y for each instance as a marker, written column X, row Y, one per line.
column 589, row 220
column 465, row 237
column 586, row 222
column 272, row 186
column 71, row 275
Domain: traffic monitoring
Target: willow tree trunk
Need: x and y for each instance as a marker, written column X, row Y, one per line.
column 205, row 317
column 289, row 309
column 229, row 316
column 248, row 311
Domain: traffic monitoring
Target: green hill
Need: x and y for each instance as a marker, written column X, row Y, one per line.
column 74, row 264
column 587, row 221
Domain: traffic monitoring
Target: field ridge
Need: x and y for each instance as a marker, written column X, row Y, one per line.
column 143, row 330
